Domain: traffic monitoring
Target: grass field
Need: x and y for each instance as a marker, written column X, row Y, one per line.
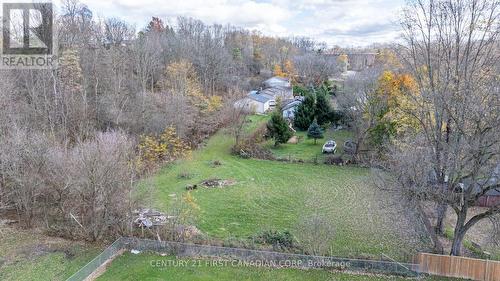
column 306, row 149
column 139, row 267
column 271, row 195
column 29, row 256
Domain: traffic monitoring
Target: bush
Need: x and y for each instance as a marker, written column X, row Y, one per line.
column 248, row 150
column 276, row 238
column 166, row 148
column 334, row 160
column 82, row 191
column 315, row 132
column 316, row 234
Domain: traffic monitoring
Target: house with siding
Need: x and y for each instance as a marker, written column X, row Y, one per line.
column 290, row 107
column 273, row 90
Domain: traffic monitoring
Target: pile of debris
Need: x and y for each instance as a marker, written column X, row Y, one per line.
column 214, row 183
column 149, row 218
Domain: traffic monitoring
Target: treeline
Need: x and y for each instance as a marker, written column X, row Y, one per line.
column 74, row 140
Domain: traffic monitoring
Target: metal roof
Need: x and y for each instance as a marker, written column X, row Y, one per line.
column 255, row 95
column 292, row 104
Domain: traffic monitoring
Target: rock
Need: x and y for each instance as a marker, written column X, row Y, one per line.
column 293, row 140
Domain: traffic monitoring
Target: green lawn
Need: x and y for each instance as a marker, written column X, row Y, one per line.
column 306, row 149
column 29, row 256
column 270, row 195
column 154, row 267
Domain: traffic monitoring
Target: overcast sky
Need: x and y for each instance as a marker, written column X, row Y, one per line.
column 341, row 22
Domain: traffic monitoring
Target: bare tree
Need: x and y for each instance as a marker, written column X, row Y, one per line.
column 452, row 51
column 314, row 68
column 117, row 31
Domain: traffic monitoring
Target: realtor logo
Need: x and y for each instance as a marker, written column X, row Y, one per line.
column 27, row 36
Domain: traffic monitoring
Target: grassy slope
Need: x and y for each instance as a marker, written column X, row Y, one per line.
column 275, row 195
column 138, row 267
column 28, row 256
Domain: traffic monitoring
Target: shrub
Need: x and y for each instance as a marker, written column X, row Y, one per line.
column 276, row 238
column 334, row 160
column 248, row 150
column 163, row 149
column 316, row 234
column 216, row 163
column 315, row 132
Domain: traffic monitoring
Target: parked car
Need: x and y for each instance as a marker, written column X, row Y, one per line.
column 330, row 147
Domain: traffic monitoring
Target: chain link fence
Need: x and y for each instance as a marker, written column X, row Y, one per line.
column 111, row 251
column 255, row 257
column 271, row 258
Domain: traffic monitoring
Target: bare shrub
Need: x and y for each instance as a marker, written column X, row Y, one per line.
column 316, row 234
column 23, row 167
column 103, row 180
column 83, row 191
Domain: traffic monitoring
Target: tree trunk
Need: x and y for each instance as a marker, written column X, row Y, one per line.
column 458, row 237
column 441, row 215
column 456, row 247
column 438, row 247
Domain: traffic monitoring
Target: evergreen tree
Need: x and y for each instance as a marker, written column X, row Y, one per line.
column 278, row 128
column 305, row 113
column 322, row 108
column 314, row 131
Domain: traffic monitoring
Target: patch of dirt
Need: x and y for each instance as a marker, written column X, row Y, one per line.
column 215, row 183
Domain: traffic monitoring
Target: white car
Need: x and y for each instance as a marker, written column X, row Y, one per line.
column 330, row 147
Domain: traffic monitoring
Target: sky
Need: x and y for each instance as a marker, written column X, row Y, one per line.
column 337, row 22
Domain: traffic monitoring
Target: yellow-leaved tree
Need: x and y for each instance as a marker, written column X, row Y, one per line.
column 166, row 148
column 287, row 71
column 399, row 93
column 343, row 62
column 180, row 78
column 278, row 71
column 70, row 71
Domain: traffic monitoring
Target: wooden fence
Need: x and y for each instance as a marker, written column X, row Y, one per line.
column 460, row 267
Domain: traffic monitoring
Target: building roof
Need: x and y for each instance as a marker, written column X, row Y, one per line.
column 292, row 103
column 493, row 192
column 255, row 95
column 481, row 184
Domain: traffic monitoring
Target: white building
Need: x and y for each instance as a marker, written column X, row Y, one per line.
column 273, row 89
column 256, row 102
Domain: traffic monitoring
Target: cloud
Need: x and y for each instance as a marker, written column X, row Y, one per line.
column 343, row 22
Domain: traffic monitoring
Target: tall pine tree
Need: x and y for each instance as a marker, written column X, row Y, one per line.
column 305, row 113
column 322, row 108
column 278, row 128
